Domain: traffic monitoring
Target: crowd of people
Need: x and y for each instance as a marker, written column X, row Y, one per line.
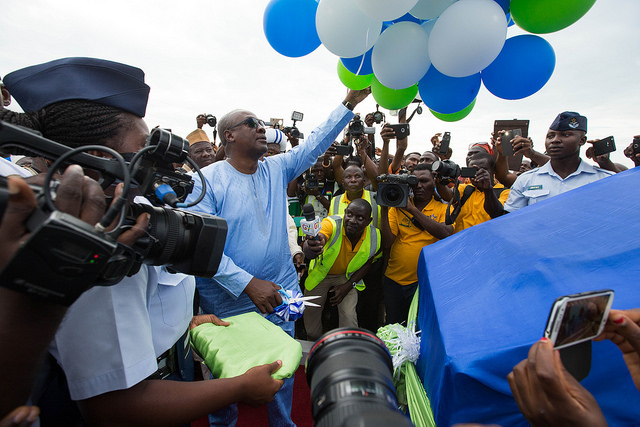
column 126, row 345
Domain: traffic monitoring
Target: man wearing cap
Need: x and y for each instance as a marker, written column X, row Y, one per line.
column 565, row 169
column 116, row 341
column 200, row 148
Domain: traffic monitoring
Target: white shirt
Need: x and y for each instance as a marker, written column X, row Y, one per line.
column 541, row 183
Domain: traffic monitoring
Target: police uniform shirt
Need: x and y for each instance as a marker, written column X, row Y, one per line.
column 539, row 184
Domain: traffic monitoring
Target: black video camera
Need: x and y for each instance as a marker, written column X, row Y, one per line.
column 292, row 130
column 311, row 181
column 357, row 128
column 67, row 250
column 446, row 170
column 394, row 190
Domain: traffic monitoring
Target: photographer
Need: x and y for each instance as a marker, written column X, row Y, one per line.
column 25, row 315
column 108, row 362
column 480, row 200
column 337, row 276
column 406, row 231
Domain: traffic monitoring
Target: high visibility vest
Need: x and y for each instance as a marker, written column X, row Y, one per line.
column 338, row 208
column 321, row 265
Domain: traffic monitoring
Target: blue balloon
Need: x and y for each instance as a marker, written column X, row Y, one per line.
column 522, row 68
column 509, row 20
column 445, row 94
column 290, row 26
column 408, row 17
column 360, row 65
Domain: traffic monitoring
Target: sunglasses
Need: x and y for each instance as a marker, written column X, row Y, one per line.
column 252, row 122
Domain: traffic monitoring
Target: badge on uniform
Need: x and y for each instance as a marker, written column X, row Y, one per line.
column 573, row 123
column 534, row 187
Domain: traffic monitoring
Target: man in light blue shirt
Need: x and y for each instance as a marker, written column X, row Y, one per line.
column 565, row 171
column 251, row 196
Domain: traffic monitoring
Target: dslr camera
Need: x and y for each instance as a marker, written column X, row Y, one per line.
column 69, row 251
column 378, row 116
column 211, row 120
column 447, row 170
column 395, row 190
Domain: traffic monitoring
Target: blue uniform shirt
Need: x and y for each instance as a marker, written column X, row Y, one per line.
column 541, row 183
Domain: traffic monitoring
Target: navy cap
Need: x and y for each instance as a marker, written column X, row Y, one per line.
column 569, row 120
column 105, row 82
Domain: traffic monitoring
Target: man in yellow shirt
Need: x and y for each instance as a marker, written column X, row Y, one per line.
column 341, row 257
column 481, row 200
column 406, row 231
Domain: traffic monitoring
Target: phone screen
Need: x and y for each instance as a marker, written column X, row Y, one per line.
column 579, row 318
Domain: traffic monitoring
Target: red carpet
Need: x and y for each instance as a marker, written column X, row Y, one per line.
column 257, row 417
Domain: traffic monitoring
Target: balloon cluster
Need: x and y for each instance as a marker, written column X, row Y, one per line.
column 442, row 49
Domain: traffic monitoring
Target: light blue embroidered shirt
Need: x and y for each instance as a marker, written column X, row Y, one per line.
column 255, row 208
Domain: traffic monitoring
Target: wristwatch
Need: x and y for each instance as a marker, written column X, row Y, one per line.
column 348, row 105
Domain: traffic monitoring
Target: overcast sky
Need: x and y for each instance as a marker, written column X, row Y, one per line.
column 211, row 56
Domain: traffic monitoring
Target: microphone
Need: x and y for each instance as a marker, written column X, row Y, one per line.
column 311, row 223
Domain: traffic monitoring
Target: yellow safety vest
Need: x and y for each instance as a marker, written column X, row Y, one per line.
column 338, row 208
column 321, row 265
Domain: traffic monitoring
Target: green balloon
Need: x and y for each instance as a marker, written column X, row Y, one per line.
column 454, row 117
column 392, row 99
column 547, row 16
column 351, row 80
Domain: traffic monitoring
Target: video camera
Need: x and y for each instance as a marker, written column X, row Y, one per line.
column 70, row 251
column 311, row 181
column 395, row 190
column 292, row 130
column 357, row 128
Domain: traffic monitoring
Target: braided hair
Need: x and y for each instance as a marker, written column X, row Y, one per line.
column 75, row 123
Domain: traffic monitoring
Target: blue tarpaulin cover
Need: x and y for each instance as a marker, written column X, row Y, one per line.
column 485, row 295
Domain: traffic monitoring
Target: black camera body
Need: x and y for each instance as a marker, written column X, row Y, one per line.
column 378, row 116
column 293, row 131
column 446, row 170
column 211, row 120
column 357, row 128
column 311, row 181
column 64, row 246
column 636, row 145
column 394, row 190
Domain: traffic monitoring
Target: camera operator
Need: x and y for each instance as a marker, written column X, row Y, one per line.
column 251, row 195
column 406, row 231
column 25, row 315
column 480, row 200
column 109, row 363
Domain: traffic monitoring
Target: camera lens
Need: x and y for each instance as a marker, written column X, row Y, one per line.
column 349, row 371
column 393, row 194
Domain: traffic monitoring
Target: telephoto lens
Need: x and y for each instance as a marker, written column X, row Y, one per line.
column 349, row 371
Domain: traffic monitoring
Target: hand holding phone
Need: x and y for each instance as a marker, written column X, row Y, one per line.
column 401, row 130
column 507, row 141
column 604, row 146
column 444, row 143
column 578, row 318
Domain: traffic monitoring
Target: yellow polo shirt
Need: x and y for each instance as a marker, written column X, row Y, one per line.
column 347, row 252
column 472, row 212
column 403, row 260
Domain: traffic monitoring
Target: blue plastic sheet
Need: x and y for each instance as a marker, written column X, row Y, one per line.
column 485, row 295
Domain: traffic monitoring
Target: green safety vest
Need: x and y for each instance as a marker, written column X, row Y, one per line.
column 338, row 208
column 321, row 265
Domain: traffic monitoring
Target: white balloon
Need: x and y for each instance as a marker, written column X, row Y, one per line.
column 386, row 10
column 400, row 56
column 429, row 9
column 428, row 25
column 344, row 29
column 467, row 37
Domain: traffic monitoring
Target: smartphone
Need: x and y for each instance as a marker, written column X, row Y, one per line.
column 344, row 149
column 604, row 146
column 507, row 141
column 468, row 172
column 514, row 162
column 578, row 317
column 636, row 145
column 444, row 143
column 401, row 130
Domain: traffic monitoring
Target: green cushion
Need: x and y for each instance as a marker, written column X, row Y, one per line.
column 249, row 341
